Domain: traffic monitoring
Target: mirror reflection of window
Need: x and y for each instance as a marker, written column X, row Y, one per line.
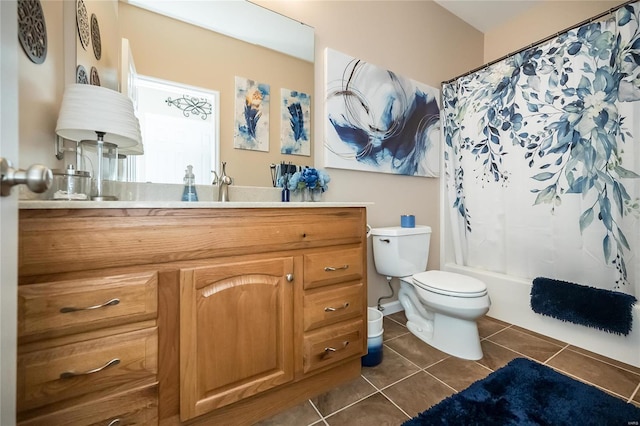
column 178, row 123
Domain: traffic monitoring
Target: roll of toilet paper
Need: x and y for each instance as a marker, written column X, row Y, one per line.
column 408, row 221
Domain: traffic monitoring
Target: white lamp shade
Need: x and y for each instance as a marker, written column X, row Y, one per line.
column 87, row 109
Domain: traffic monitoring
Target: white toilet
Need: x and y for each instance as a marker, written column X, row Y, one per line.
column 441, row 307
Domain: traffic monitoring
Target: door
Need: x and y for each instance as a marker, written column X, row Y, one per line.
column 236, row 332
column 38, row 178
column 8, row 211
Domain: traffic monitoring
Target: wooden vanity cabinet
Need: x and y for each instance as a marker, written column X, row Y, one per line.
column 232, row 315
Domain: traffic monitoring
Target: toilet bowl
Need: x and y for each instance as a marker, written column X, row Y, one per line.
column 441, row 307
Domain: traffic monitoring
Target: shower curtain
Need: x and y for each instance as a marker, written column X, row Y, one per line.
column 542, row 158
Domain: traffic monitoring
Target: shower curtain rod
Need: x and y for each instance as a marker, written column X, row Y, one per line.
column 539, row 42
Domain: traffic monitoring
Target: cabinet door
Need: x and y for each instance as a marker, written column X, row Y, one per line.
column 236, row 332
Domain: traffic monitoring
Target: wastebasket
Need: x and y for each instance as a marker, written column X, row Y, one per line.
column 374, row 338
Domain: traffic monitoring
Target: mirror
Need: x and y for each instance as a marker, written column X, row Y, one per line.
column 167, row 42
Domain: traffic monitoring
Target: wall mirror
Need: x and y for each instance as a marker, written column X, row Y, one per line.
column 169, row 40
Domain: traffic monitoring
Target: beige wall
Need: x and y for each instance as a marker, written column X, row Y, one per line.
column 41, row 86
column 419, row 40
column 543, row 20
column 172, row 50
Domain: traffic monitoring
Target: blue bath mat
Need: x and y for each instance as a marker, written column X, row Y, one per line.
column 605, row 310
column 524, row 392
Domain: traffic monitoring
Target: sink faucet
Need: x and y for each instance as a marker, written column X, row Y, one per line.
column 223, row 181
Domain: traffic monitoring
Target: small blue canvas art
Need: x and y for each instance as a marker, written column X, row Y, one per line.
column 295, row 125
column 379, row 121
column 251, row 127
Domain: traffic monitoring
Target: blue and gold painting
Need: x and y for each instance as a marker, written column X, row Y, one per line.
column 251, row 127
column 379, row 121
column 295, row 124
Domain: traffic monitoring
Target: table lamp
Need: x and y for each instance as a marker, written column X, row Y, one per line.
column 102, row 115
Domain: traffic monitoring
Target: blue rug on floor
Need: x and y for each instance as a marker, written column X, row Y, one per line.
column 524, row 392
column 606, row 310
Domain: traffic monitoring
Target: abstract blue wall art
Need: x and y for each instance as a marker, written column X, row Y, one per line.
column 295, row 123
column 251, row 127
column 379, row 121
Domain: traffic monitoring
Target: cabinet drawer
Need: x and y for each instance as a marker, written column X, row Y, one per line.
column 65, row 307
column 136, row 407
column 330, row 306
column 55, row 374
column 331, row 267
column 332, row 344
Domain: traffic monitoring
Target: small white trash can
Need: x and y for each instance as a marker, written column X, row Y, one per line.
column 374, row 338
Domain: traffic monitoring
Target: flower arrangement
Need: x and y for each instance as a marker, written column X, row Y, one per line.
column 309, row 178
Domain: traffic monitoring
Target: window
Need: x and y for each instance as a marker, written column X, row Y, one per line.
column 180, row 127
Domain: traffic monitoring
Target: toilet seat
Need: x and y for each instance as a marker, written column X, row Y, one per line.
column 449, row 284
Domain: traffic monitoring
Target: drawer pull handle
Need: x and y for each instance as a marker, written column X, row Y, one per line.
column 331, row 268
column 289, row 277
column 331, row 309
column 69, row 374
column 114, row 422
column 329, row 350
column 111, row 302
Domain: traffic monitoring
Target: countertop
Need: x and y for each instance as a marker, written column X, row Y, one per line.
column 49, row 204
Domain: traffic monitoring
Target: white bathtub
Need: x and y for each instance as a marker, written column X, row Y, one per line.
column 510, row 298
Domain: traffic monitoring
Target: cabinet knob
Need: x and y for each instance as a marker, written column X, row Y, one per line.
column 289, row 277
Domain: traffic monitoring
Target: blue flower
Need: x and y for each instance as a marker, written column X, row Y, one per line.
column 309, row 178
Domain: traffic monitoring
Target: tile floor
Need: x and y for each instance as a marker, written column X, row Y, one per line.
column 413, row 376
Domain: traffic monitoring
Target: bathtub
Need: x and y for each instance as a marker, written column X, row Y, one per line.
column 510, row 303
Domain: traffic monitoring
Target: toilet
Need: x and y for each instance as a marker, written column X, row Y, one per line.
column 441, row 307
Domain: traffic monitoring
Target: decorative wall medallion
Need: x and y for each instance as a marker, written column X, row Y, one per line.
column 95, row 37
column 81, row 75
column 82, row 21
column 191, row 105
column 32, row 31
column 95, row 78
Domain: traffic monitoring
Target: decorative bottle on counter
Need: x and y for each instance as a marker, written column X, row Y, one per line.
column 189, row 193
column 285, row 195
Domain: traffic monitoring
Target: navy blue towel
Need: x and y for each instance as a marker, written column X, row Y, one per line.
column 589, row 306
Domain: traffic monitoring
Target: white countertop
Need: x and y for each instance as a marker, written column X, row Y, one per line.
column 51, row 204
column 134, row 195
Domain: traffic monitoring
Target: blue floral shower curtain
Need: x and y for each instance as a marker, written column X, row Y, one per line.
column 542, row 158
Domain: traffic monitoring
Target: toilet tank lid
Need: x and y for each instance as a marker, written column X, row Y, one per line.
column 395, row 231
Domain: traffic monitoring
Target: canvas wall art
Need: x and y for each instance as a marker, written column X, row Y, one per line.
column 251, row 127
column 295, row 123
column 379, row 121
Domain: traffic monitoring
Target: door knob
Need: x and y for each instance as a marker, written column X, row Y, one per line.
column 38, row 178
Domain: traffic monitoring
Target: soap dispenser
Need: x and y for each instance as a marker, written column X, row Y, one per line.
column 189, row 193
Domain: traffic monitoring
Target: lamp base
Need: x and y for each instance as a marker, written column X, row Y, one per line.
column 104, row 198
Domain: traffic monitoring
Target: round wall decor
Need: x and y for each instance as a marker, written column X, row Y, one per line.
column 32, row 30
column 82, row 22
column 81, row 75
column 95, row 37
column 95, row 78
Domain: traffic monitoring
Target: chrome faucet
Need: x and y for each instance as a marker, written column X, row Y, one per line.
column 223, row 181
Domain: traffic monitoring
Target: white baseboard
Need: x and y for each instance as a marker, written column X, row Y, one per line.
column 391, row 307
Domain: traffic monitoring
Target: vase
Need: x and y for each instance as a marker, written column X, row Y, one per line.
column 316, row 194
column 310, row 194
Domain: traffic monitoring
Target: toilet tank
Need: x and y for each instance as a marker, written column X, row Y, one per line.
column 400, row 252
